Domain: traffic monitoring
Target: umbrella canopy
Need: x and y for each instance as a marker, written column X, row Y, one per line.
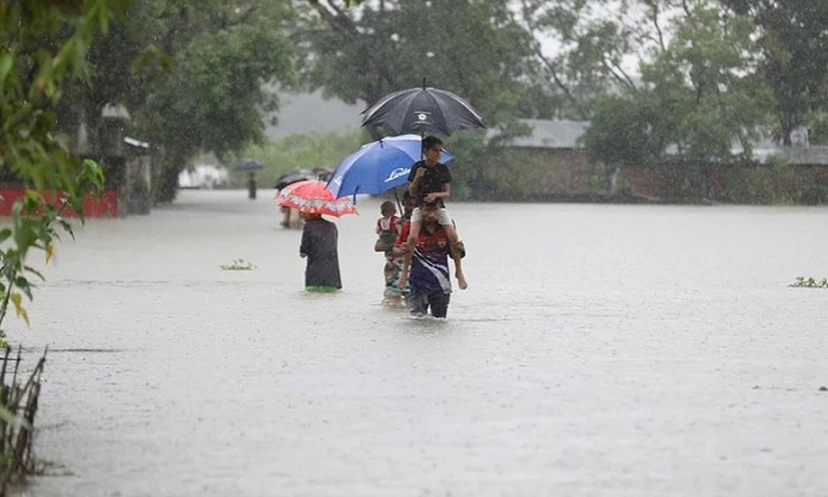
column 311, row 196
column 247, row 165
column 378, row 166
column 418, row 110
column 291, row 177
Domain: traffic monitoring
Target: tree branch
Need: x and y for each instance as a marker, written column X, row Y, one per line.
column 550, row 67
column 654, row 18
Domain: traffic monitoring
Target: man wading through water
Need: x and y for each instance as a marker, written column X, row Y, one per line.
column 430, row 182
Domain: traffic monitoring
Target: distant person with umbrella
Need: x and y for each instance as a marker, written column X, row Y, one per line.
column 319, row 236
column 290, row 177
column 319, row 246
column 251, row 166
column 430, row 183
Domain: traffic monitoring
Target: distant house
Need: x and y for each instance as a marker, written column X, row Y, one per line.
column 203, row 176
column 814, row 155
column 550, row 163
column 564, row 134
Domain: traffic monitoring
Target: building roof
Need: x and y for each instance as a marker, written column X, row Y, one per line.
column 564, row 134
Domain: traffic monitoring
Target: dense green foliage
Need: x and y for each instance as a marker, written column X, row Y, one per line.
column 793, row 39
column 193, row 75
column 662, row 81
column 696, row 97
column 476, row 49
column 680, row 81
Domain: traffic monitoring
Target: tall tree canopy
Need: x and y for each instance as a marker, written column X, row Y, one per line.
column 475, row 48
column 697, row 95
column 192, row 74
column 794, row 42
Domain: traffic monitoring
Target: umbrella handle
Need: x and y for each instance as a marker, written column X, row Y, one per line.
column 399, row 204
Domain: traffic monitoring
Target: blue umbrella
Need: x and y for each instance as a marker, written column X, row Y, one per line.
column 378, row 166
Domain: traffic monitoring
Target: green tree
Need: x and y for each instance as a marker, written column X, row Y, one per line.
column 696, row 96
column 595, row 49
column 474, row 48
column 793, row 37
column 195, row 75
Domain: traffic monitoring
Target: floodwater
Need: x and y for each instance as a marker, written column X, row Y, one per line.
column 600, row 350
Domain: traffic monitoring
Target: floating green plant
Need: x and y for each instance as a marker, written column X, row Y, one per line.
column 803, row 282
column 238, row 265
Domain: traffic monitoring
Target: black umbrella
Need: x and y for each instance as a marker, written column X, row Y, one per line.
column 418, row 110
column 247, row 165
column 294, row 176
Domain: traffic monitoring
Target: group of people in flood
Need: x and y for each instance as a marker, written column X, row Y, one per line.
column 417, row 245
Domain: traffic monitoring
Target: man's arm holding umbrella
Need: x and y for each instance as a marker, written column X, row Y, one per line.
column 414, row 182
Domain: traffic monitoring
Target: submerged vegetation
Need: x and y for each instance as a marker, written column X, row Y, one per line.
column 809, row 282
column 238, row 265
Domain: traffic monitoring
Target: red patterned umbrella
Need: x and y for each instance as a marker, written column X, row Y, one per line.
column 312, row 197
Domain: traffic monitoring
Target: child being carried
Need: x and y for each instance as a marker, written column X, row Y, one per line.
column 387, row 228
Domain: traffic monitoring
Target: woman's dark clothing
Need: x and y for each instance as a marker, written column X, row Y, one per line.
column 319, row 242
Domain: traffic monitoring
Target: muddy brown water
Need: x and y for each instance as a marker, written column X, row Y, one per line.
column 600, row 350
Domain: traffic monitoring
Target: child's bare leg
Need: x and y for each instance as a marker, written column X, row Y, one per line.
column 453, row 239
column 413, row 234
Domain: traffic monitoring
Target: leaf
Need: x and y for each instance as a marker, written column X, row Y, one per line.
column 6, row 64
column 50, row 249
column 23, row 284
column 34, row 272
column 17, row 300
column 10, row 418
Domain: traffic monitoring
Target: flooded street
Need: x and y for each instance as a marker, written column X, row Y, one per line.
column 600, row 350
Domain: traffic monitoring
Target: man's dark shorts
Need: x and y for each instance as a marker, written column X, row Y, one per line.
column 421, row 302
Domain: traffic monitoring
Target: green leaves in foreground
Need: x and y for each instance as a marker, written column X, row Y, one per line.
column 803, row 282
column 42, row 49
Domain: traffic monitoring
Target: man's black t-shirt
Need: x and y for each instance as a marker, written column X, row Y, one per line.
column 432, row 182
